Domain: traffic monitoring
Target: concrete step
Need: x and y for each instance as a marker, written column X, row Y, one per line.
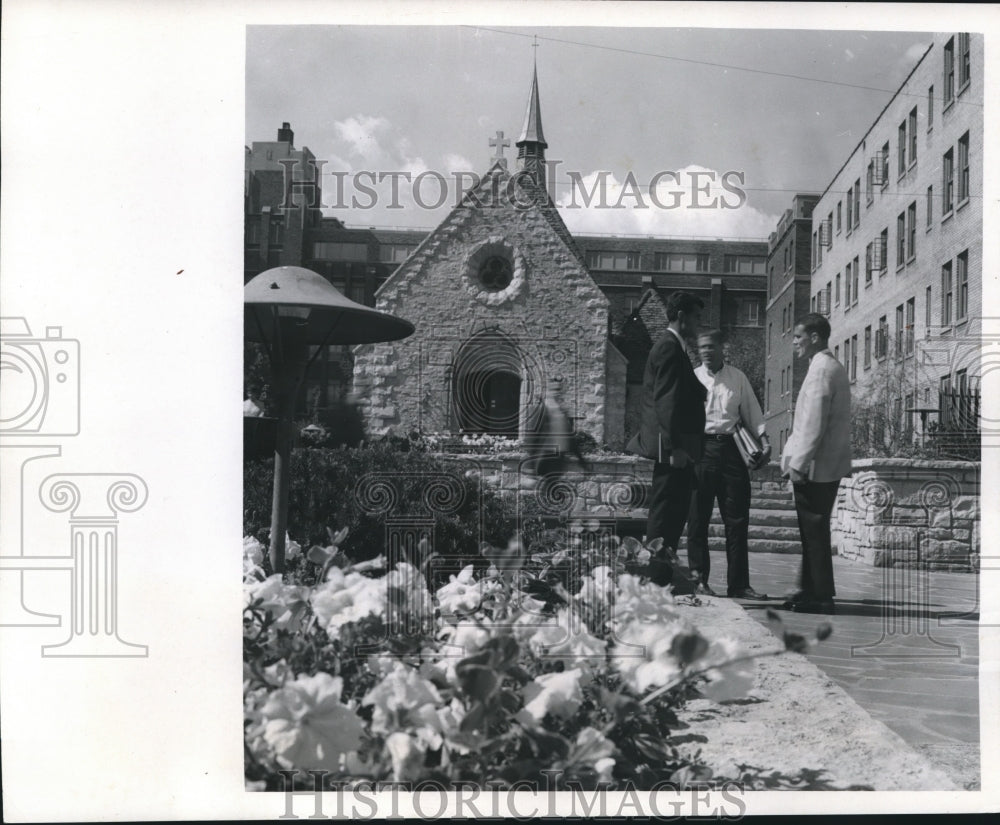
column 759, row 502
column 755, row 545
column 758, row 531
column 765, row 518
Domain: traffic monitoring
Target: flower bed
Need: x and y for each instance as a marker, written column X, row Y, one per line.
column 567, row 662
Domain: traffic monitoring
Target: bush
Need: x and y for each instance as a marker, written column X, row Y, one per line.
column 324, row 493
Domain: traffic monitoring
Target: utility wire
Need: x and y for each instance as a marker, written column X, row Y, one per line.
column 708, row 63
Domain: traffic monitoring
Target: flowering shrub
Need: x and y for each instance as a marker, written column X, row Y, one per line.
column 562, row 662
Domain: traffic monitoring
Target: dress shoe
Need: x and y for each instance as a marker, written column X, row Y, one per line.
column 702, row 589
column 825, row 606
column 748, row 593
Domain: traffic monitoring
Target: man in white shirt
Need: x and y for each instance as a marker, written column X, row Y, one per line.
column 722, row 474
column 816, row 456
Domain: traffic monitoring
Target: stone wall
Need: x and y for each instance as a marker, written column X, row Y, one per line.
column 910, row 513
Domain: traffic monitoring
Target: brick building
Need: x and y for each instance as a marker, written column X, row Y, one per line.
column 788, row 291
column 896, row 248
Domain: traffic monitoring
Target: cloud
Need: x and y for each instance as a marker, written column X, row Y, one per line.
column 360, row 133
column 697, row 202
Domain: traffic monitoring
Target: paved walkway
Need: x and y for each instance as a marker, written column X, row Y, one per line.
column 905, row 647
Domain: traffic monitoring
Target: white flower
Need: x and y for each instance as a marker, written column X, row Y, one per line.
column 568, row 640
column 406, row 755
column 342, row 599
column 642, row 654
column 592, row 748
column 283, row 601
column 557, row 693
column 728, row 681
column 399, row 700
column 308, row 726
column 462, row 594
column 292, row 548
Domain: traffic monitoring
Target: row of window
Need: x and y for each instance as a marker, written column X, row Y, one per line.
column 676, row 262
column 878, row 167
column 876, row 252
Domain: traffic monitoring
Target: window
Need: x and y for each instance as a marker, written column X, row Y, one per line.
column 947, row 191
column 857, row 201
column 395, row 253
column 911, row 231
column 812, row 303
column 836, row 352
column 850, row 208
column 963, row 60
column 946, row 295
column 750, row 312
column 908, row 416
column 854, row 357
column 681, row 262
column 962, row 286
column 869, row 181
column 770, row 330
column 949, row 71
column 847, row 287
column 356, row 292
column 815, row 248
column 913, row 136
column 900, row 238
column 927, row 311
column 790, row 316
column 836, row 290
column 900, row 330
column 782, row 381
column 901, row 149
column 963, row 168
column 745, row 264
column 847, row 356
column 930, row 206
column 612, row 260
column 819, row 246
column 882, row 337
column 826, row 298
column 868, row 347
column 829, row 230
column 276, row 232
column 944, row 400
column 784, row 319
column 857, row 278
column 329, row 251
column 911, row 311
column 885, row 165
column 869, row 257
column 930, row 108
column 838, row 216
column 882, row 251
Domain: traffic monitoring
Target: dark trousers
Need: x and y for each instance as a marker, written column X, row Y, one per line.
column 668, row 508
column 721, row 476
column 814, row 502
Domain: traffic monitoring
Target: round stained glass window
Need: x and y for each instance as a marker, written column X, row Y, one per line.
column 496, row 273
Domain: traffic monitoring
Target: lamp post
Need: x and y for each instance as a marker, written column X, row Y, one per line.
column 289, row 309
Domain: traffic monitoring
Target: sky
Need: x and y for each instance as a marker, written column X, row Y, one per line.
column 779, row 110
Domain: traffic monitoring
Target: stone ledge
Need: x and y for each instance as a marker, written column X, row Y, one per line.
column 796, row 717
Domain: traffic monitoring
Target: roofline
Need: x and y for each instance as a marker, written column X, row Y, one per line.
column 877, row 119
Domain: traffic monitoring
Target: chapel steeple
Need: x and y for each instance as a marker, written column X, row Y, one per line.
column 531, row 145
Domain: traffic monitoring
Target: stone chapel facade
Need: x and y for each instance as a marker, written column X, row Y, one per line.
column 502, row 302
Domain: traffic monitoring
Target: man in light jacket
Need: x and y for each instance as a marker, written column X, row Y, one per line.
column 816, row 456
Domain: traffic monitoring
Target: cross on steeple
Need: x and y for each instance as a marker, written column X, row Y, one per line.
column 501, row 143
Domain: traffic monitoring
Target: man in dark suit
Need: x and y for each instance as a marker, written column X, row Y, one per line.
column 671, row 427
